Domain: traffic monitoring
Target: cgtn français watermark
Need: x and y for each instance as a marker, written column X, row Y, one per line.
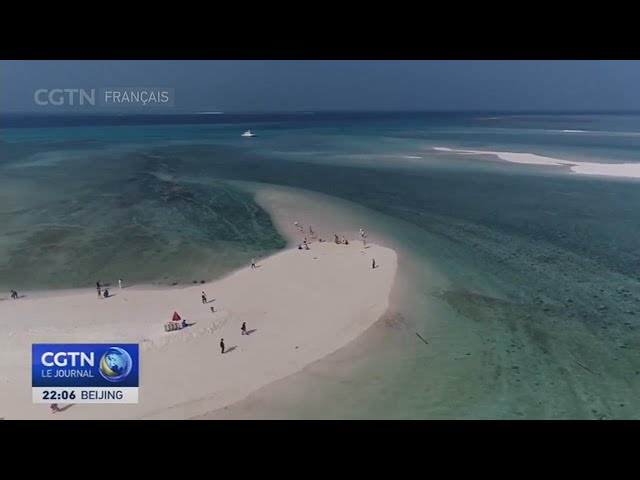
column 105, row 97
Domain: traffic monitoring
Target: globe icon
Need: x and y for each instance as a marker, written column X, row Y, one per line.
column 115, row 364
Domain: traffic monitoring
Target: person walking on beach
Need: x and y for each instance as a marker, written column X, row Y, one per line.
column 243, row 328
column 222, row 345
column 54, row 408
column 120, row 282
column 204, row 297
column 373, row 263
column 14, row 294
column 253, row 263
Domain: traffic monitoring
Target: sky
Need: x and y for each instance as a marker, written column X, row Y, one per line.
column 314, row 85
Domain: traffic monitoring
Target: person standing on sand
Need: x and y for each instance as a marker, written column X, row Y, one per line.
column 373, row 263
column 222, row 345
column 120, row 282
column 253, row 263
column 204, row 297
column 243, row 328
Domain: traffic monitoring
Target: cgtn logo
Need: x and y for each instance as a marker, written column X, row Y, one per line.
column 60, row 359
column 85, row 373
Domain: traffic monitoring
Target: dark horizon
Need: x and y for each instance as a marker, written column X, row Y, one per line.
column 130, row 112
column 9, row 120
column 333, row 85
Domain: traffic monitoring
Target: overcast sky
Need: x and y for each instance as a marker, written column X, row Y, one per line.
column 342, row 85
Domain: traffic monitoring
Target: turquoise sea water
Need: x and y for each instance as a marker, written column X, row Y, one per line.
column 535, row 310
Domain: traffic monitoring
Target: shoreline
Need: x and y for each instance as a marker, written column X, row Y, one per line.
column 613, row 170
column 268, row 299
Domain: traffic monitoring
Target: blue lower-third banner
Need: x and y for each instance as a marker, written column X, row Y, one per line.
column 85, row 373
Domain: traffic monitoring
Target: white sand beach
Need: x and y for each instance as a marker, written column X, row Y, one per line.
column 299, row 306
column 623, row 170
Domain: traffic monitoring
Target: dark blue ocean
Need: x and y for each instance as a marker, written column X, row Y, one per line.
column 524, row 279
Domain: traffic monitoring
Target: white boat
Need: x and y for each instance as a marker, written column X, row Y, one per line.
column 248, row 133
